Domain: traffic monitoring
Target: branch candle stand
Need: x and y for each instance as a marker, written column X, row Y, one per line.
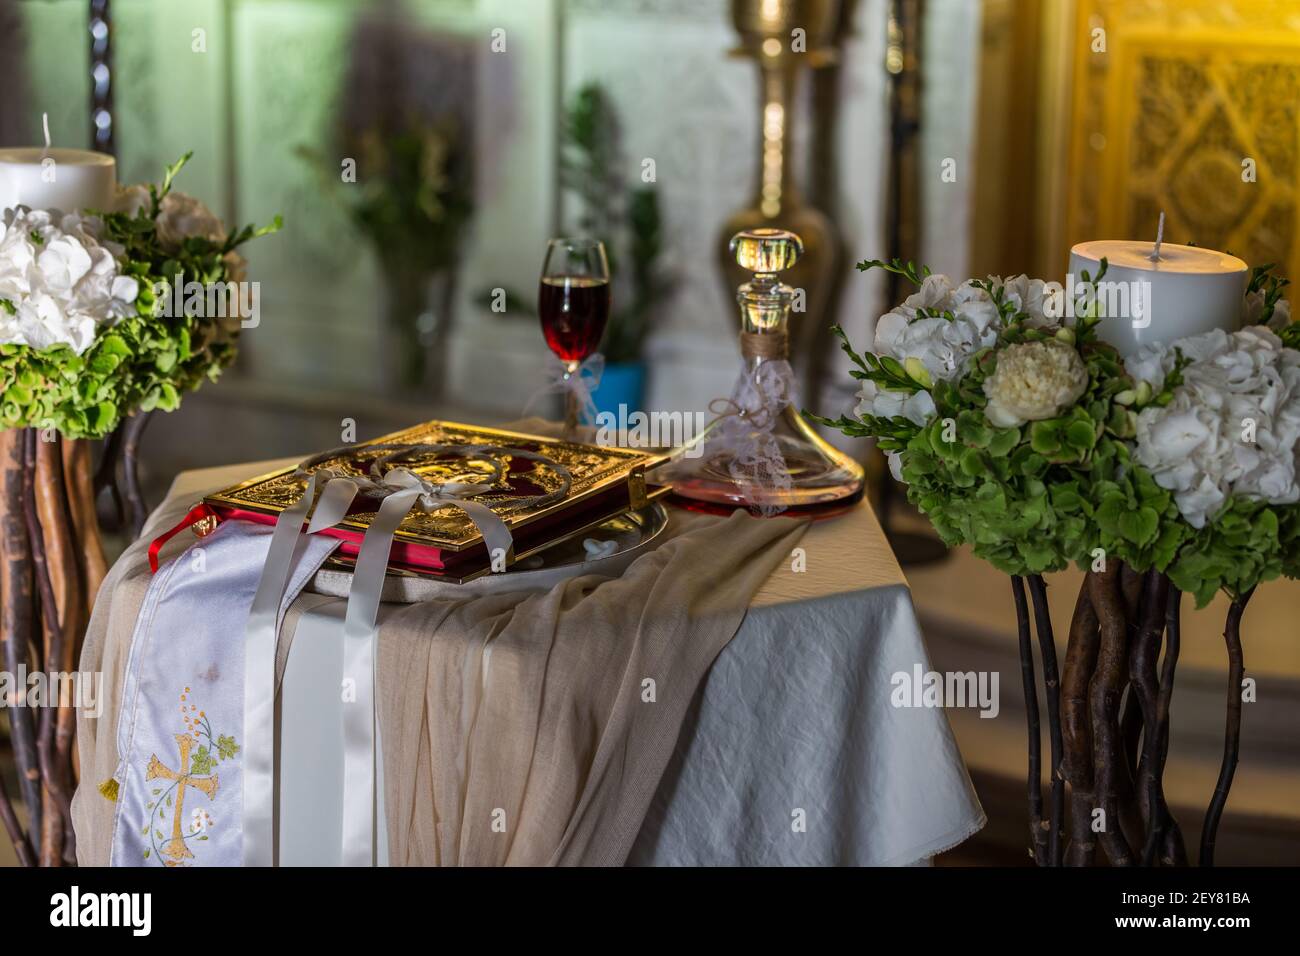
column 53, row 561
column 1123, row 619
column 87, row 356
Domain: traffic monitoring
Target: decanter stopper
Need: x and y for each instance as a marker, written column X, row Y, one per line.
column 764, row 300
column 766, row 251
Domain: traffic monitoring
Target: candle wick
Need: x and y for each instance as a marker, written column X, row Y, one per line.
column 45, row 125
column 1160, row 237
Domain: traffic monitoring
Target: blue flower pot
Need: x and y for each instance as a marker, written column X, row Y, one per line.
column 623, row 383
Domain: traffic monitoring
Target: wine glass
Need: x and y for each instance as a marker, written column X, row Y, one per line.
column 573, row 302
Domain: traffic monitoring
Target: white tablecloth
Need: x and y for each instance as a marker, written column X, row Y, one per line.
column 792, row 752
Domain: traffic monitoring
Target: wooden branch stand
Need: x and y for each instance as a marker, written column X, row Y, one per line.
column 1108, row 721
column 51, row 565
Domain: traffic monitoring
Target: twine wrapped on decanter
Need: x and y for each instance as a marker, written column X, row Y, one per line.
column 759, row 453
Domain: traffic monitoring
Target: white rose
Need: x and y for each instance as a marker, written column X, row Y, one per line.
column 181, row 216
column 132, row 200
column 1034, row 381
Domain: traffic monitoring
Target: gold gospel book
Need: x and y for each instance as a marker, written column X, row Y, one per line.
column 604, row 482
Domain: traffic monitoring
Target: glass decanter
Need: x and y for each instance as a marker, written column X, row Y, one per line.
column 759, row 453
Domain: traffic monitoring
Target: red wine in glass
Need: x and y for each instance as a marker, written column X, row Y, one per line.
column 573, row 303
column 574, row 310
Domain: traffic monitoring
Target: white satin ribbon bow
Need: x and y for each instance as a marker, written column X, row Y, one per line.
column 582, row 383
column 401, row 490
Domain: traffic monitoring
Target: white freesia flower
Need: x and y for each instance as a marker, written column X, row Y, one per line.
column 1034, row 381
column 1281, row 316
column 1253, row 307
column 1028, row 296
column 917, row 407
column 181, row 216
column 1232, row 426
column 58, row 282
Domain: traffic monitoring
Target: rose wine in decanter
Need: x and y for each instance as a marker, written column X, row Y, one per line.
column 760, row 453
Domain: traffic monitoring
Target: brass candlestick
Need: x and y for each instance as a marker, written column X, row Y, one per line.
column 768, row 35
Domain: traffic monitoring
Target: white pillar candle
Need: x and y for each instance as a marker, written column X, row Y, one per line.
column 1167, row 292
column 69, row 180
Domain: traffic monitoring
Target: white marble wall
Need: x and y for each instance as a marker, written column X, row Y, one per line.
column 950, row 54
column 265, row 85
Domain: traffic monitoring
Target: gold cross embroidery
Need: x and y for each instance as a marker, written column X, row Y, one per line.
column 175, row 847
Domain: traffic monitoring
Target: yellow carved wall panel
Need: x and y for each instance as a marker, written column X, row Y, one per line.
column 1192, row 109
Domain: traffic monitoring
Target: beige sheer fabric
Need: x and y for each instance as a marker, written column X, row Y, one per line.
column 516, row 728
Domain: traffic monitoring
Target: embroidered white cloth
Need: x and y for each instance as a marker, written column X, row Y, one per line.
column 180, row 733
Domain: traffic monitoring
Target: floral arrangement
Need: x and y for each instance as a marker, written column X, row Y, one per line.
column 1031, row 440
column 86, row 338
column 1025, row 436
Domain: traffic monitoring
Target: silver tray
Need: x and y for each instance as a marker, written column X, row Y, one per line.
column 633, row 534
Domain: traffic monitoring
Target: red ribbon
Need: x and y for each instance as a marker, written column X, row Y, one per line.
column 199, row 512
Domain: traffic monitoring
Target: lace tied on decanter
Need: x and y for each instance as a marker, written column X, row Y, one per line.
column 743, row 436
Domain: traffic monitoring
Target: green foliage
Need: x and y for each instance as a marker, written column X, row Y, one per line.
column 413, row 194
column 1263, row 280
column 146, row 361
column 908, row 270
column 626, row 218
column 1247, row 543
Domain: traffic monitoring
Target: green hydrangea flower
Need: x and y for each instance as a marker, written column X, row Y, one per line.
column 144, row 362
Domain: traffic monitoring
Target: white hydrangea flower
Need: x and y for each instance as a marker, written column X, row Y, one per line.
column 1233, row 425
column 58, row 282
column 1034, row 381
column 943, row 346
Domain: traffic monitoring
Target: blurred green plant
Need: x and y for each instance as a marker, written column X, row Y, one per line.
column 412, row 198
column 624, row 216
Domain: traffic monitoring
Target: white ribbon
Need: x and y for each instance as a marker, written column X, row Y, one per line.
column 359, row 667
column 260, row 640
column 401, row 489
column 581, row 383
